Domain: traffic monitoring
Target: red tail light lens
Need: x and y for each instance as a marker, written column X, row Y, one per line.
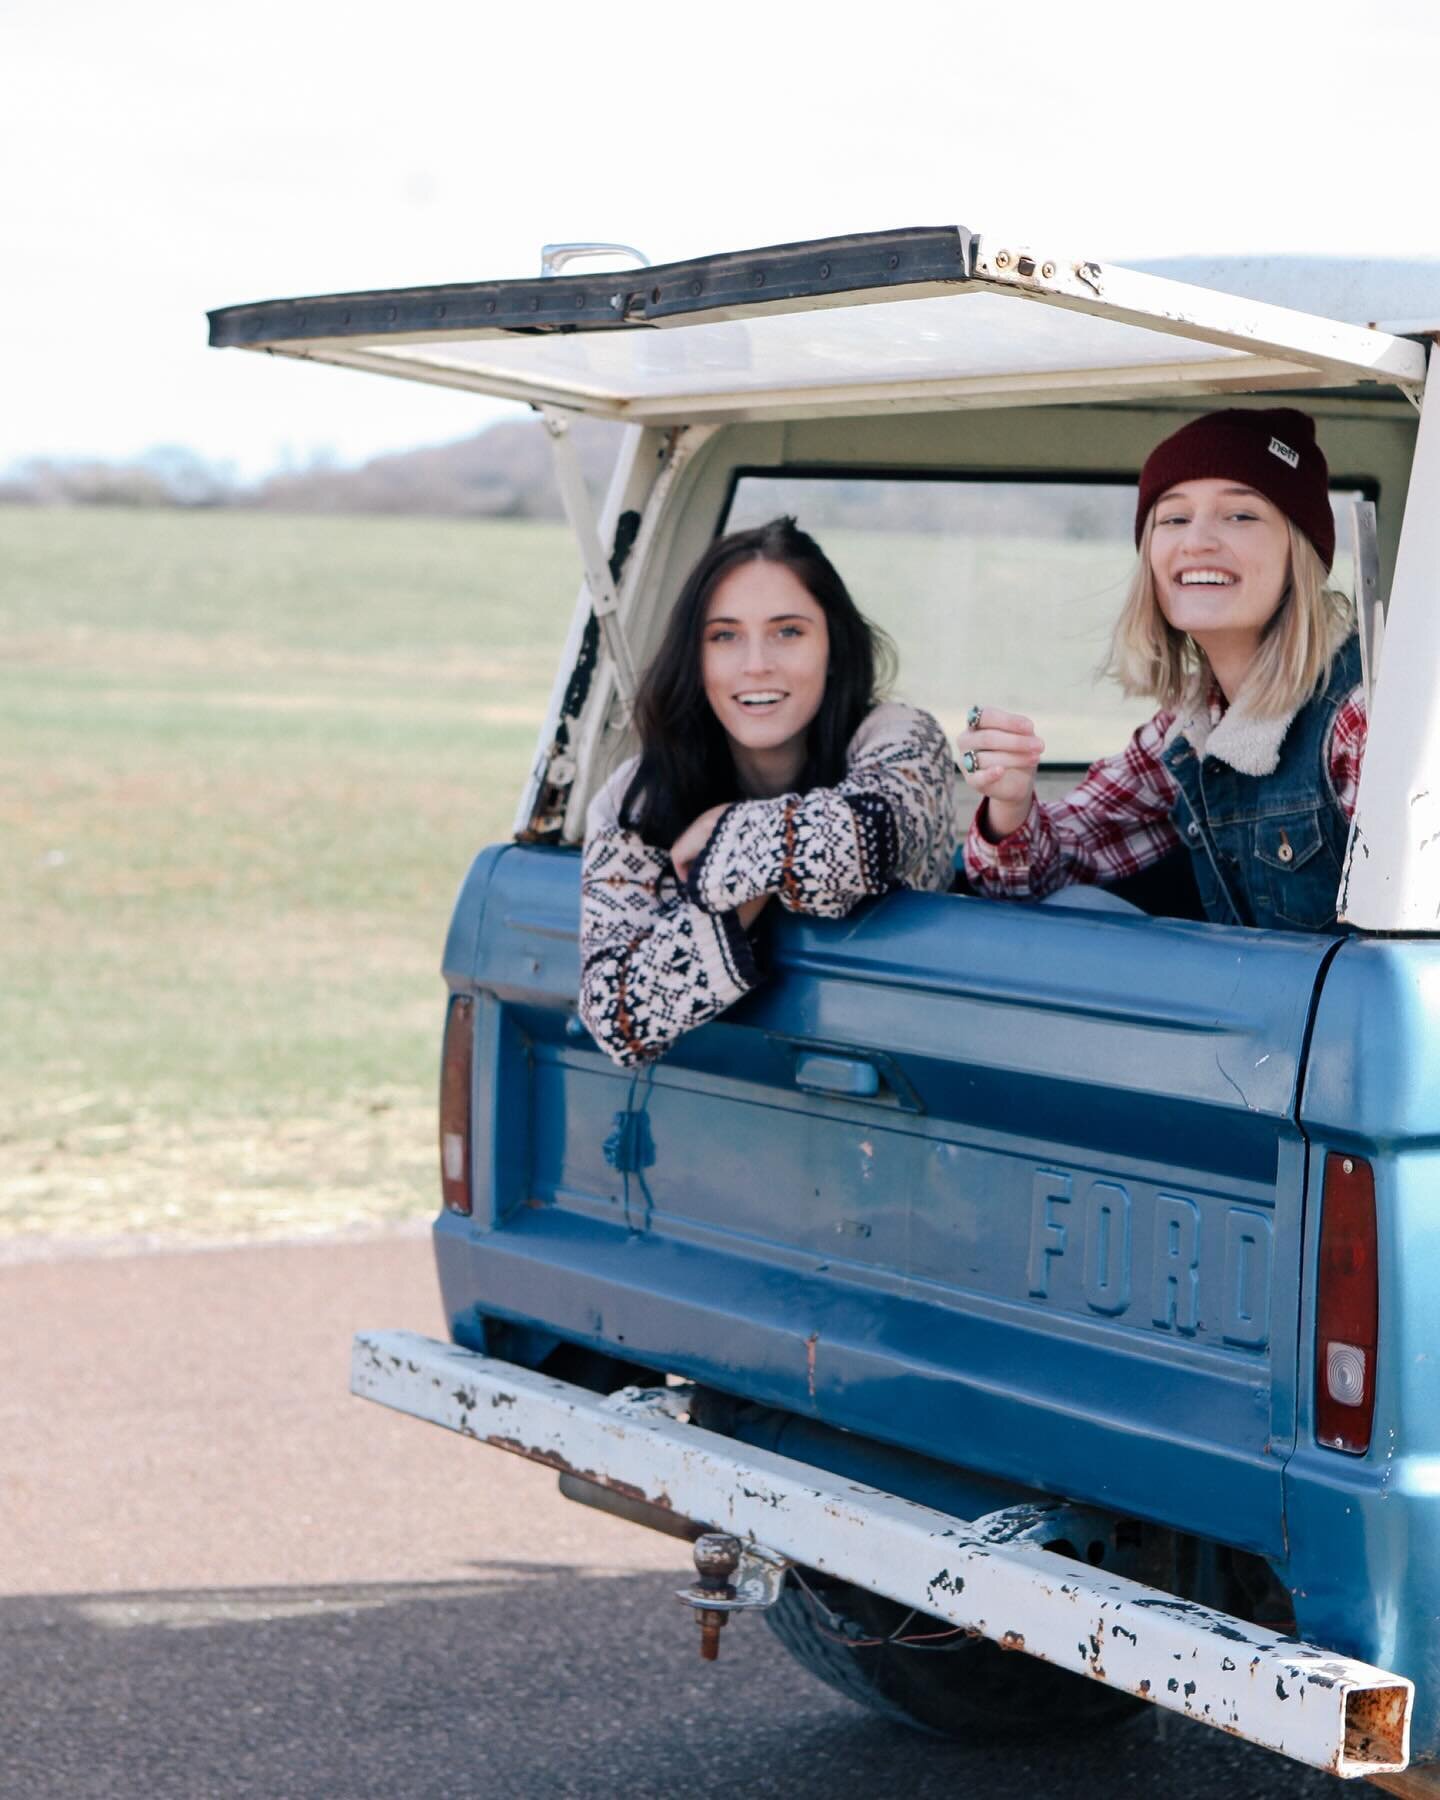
column 1348, row 1307
column 456, row 1061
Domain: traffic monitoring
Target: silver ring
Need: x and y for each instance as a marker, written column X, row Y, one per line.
column 972, row 718
column 970, row 761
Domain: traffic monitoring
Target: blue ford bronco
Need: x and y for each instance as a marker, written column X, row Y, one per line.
column 1051, row 1287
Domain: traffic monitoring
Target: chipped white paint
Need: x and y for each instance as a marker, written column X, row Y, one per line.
column 1392, row 873
column 1341, row 351
column 594, row 560
column 1325, row 1710
column 650, row 492
column 631, row 483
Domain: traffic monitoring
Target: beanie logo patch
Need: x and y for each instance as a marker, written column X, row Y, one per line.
column 1285, row 453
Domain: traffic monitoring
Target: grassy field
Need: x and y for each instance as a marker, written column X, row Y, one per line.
column 243, row 762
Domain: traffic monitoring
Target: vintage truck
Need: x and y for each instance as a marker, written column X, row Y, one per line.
column 1030, row 1309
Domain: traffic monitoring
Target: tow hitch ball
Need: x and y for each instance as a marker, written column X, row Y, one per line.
column 731, row 1577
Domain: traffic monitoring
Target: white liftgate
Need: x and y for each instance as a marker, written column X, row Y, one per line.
column 915, row 320
column 908, row 321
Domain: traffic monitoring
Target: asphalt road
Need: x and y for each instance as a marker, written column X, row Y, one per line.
column 221, row 1576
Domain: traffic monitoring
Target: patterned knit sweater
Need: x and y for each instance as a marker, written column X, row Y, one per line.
column 659, row 957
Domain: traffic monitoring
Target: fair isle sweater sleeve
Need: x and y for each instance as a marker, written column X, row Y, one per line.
column 652, row 963
column 889, row 823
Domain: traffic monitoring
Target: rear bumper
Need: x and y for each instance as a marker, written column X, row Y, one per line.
column 1325, row 1710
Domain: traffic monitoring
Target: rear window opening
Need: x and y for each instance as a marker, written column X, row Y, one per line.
column 1002, row 591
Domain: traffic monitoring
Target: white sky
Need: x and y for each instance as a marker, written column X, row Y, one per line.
column 158, row 159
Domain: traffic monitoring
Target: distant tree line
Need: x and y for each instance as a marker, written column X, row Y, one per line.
column 501, row 473
column 505, row 472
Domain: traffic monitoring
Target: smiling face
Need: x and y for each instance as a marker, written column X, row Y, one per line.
column 1220, row 557
column 764, row 656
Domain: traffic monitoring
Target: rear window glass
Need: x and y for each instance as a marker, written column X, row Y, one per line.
column 997, row 591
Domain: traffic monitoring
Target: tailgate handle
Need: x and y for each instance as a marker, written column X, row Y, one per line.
column 847, row 1075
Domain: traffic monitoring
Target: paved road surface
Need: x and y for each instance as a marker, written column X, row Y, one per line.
column 220, row 1576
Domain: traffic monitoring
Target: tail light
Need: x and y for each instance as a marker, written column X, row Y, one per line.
column 1348, row 1307
column 456, row 1061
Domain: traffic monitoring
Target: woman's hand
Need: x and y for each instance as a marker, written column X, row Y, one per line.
column 999, row 754
column 688, row 846
column 693, row 839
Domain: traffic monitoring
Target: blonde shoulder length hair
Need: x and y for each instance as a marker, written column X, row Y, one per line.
column 1150, row 658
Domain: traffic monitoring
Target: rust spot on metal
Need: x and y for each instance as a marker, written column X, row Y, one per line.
column 637, row 1512
column 1013, row 1640
column 1144, row 1687
column 810, row 1343
column 553, row 1460
column 1375, row 1724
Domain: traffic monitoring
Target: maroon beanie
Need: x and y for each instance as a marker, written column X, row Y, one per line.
column 1273, row 452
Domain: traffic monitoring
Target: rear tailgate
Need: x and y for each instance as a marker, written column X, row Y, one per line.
column 1059, row 1242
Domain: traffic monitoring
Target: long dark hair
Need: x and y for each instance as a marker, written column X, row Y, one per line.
column 685, row 762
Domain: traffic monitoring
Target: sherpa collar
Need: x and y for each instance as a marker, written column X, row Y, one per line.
column 1249, row 745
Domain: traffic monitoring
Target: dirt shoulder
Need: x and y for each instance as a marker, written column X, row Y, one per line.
column 354, row 1167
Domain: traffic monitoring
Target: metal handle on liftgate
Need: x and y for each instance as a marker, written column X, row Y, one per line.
column 850, row 1077
column 553, row 257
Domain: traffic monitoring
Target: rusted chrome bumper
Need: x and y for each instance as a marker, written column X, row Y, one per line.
column 1326, row 1710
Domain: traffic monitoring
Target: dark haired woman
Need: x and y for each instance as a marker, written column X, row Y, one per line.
column 766, row 768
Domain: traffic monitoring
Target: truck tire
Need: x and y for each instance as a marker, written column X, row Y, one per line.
column 969, row 1688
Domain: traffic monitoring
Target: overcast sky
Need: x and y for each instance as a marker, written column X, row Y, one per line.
column 159, row 159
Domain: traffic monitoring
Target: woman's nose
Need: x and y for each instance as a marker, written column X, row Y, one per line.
column 757, row 654
column 1200, row 532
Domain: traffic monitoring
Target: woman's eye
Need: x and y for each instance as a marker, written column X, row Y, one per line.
column 720, row 637
column 1173, row 519
column 790, row 631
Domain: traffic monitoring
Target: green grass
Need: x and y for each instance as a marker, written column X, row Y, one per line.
column 245, row 759
column 243, row 762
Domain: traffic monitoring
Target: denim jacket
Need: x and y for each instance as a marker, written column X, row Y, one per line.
column 1264, row 830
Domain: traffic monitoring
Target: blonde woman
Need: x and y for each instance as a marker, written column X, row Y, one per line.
column 1253, row 761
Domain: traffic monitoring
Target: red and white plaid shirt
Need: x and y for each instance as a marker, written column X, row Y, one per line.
column 1117, row 821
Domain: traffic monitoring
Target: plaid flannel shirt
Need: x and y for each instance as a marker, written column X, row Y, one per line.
column 1117, row 821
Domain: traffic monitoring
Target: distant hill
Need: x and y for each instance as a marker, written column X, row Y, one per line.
column 503, row 472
